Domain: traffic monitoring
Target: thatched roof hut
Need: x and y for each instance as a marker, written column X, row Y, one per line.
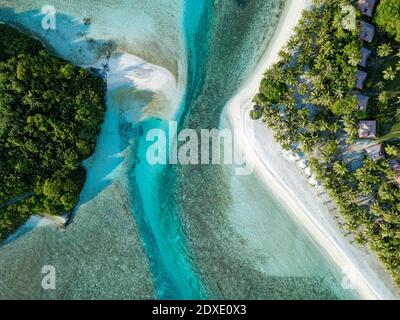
column 360, row 79
column 375, row 152
column 367, row 31
column 366, row 7
column 365, row 54
column 362, row 102
column 367, row 129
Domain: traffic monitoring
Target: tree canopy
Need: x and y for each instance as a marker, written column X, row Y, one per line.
column 50, row 115
column 388, row 17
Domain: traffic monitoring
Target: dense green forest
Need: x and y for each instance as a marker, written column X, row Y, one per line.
column 50, row 115
column 388, row 17
column 309, row 99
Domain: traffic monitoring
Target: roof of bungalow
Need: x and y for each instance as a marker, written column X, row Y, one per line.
column 375, row 152
column 366, row 7
column 395, row 165
column 367, row 31
column 360, row 79
column 362, row 102
column 367, row 129
column 365, row 54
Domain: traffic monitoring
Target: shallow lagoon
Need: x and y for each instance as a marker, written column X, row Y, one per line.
column 169, row 231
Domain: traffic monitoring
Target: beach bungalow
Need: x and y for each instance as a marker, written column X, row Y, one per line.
column 289, row 155
column 362, row 102
column 367, row 129
column 395, row 165
column 302, row 163
column 365, row 55
column 367, row 31
column 308, row 172
column 314, row 182
column 375, row 152
column 360, row 79
column 366, row 7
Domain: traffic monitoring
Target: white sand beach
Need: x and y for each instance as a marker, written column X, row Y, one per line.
column 132, row 71
column 284, row 178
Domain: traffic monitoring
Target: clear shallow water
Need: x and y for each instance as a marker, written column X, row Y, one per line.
column 272, row 258
column 191, row 222
column 174, row 275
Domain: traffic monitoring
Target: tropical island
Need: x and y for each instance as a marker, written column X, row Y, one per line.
column 333, row 98
column 50, row 116
column 179, row 231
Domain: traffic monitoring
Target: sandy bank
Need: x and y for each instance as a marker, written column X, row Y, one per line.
column 367, row 277
column 153, row 89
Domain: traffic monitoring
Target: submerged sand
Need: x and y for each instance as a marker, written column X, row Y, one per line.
column 98, row 256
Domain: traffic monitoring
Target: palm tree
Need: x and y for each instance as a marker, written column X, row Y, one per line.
column 351, row 195
column 285, row 56
column 391, row 150
column 383, row 97
column 312, row 127
column 339, row 93
column 389, row 73
column 360, row 239
column 323, row 125
column 384, row 50
column 302, row 117
column 354, row 59
column 333, row 127
column 380, row 85
column 397, row 116
column 365, row 188
column 385, row 192
column 371, row 165
column 340, row 169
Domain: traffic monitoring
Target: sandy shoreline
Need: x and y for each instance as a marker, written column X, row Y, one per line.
column 367, row 277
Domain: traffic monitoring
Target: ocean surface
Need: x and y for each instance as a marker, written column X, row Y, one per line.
column 166, row 231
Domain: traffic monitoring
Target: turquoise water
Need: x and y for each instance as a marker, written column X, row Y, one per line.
column 162, row 235
column 189, row 219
